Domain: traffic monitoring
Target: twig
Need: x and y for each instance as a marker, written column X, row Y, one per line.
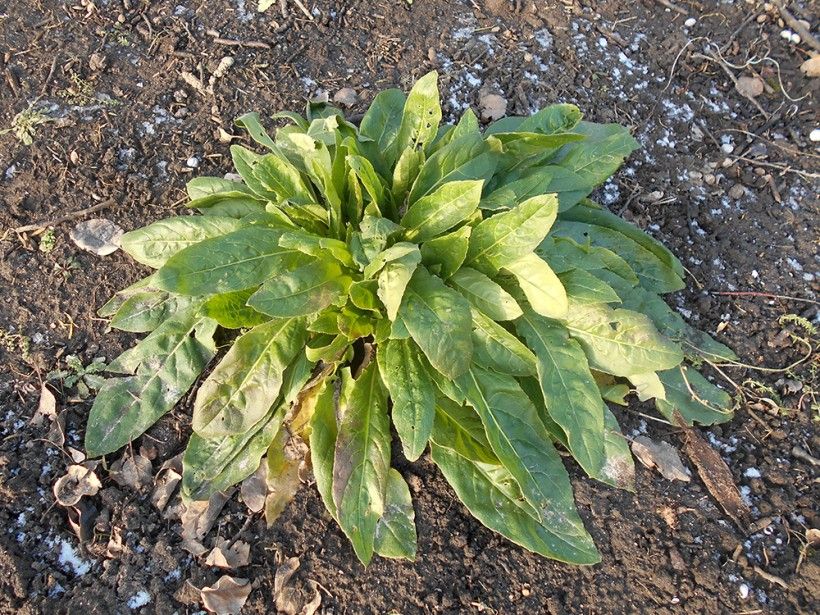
column 751, row 293
column 72, row 216
column 781, row 167
column 49, row 75
column 798, row 27
column 672, row 7
column 303, row 9
column 711, row 57
column 232, row 43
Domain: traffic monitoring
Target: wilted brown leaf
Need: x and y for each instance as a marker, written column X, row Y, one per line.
column 225, row 555
column 751, row 87
column 199, row 518
column 132, row 471
column 98, row 236
column 79, row 480
column 287, row 599
column 660, row 455
column 227, row 597
column 285, row 456
column 46, row 409
column 168, row 477
column 254, row 488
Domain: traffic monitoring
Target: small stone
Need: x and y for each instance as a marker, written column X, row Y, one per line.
column 737, row 191
column 690, row 22
column 710, row 179
column 727, row 148
column 751, row 87
column 795, row 38
column 346, row 97
column 786, row 34
column 814, row 137
column 192, row 162
column 743, row 590
column 492, row 106
column 97, row 62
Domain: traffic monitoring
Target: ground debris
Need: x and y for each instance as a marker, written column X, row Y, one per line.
column 661, row 456
column 227, row 597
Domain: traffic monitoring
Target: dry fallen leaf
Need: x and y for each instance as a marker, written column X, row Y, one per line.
column 813, row 537
column 811, row 67
column 199, row 518
column 81, row 518
column 227, row 597
column 168, row 477
column 492, row 106
column 98, row 236
column 46, row 409
column 132, row 471
column 79, row 480
column 346, row 97
column 114, row 547
column 288, row 599
column 660, row 455
column 224, row 555
column 254, row 489
column 311, row 607
column 751, row 87
column 715, row 474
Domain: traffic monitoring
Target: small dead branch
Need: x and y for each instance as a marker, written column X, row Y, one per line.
column 798, row 27
column 673, row 7
column 71, row 216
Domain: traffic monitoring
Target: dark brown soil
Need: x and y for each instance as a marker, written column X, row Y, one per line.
column 124, row 126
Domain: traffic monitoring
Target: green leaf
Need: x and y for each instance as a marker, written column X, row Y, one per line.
column 381, row 125
column 396, row 530
column 439, row 321
column 543, row 289
column 247, row 381
column 405, row 173
column 647, row 386
column 235, row 261
column 485, row 295
column 231, row 311
column 362, row 460
column 164, row 366
column 393, row 280
column 211, row 465
column 253, row 124
column 245, row 162
column 305, row 290
column 469, row 157
column 154, row 244
column 395, row 252
column 600, row 154
column 439, row 211
column 509, row 193
column 373, row 184
column 499, row 350
column 521, row 442
column 421, row 114
column 280, row 177
column 508, row 236
column 492, row 496
column 552, row 119
column 619, row 468
column 323, row 433
column 447, row 252
column 147, row 309
column 570, row 393
column 621, row 342
column 204, row 191
column 412, row 392
column 317, row 246
column 583, row 287
column 694, row 397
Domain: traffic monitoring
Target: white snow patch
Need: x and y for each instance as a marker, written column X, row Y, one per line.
column 141, row 598
column 68, row 558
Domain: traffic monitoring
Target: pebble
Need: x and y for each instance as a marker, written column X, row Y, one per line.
column 727, row 148
column 690, row 22
column 346, row 97
column 743, row 590
column 737, row 191
column 710, row 179
column 192, row 162
column 814, row 136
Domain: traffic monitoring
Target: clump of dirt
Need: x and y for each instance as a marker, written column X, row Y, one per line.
column 136, row 98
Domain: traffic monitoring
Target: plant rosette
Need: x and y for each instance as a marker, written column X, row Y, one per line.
column 455, row 282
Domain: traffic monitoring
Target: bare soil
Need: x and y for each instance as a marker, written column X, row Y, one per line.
column 730, row 187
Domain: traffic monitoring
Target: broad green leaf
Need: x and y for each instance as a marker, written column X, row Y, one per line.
column 469, row 157
column 203, row 191
column 154, row 244
column 164, row 366
column 231, row 310
column 523, row 445
column 583, row 287
column 253, row 124
column 570, row 393
column 447, row 252
column 439, row 211
column 376, row 233
column 396, row 530
column 328, row 349
column 492, row 496
column 290, row 116
column 317, row 246
column 393, row 253
column 354, row 324
column 282, row 178
column 485, row 295
column 421, row 114
column 323, row 433
column 213, row 464
column 248, row 379
column 381, row 125
column 245, row 161
column 147, row 309
column 405, row 173
column 439, row 321
column 237, row 208
column 235, row 261
column 393, row 280
column 460, row 427
column 506, row 237
column 305, row 290
column 565, row 254
column 543, row 289
column 600, row 154
column 653, row 274
column 509, row 194
column 362, row 460
column 647, row 386
column 552, row 119
column 118, row 300
column 694, row 397
column 363, row 295
column 568, row 185
column 373, row 184
column 620, row 342
column 499, row 350
column 412, row 392
column 467, row 125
